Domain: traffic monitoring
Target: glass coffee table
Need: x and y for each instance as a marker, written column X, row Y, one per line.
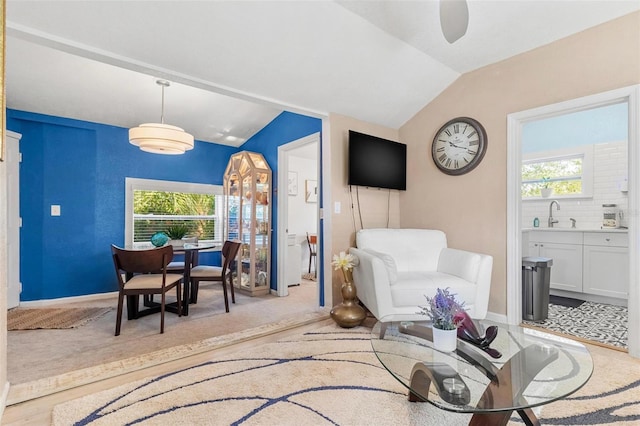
column 534, row 368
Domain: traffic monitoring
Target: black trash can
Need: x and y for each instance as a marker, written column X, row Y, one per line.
column 536, row 277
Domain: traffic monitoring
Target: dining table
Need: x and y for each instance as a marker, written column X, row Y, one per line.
column 190, row 252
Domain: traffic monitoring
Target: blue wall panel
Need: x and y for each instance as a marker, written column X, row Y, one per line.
column 286, row 127
column 82, row 167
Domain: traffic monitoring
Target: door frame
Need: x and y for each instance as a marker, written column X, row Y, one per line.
column 283, row 209
column 14, row 222
column 515, row 121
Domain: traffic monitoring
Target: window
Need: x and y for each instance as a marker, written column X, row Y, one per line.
column 155, row 205
column 567, row 172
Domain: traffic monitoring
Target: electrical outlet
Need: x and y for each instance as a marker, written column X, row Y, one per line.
column 55, row 210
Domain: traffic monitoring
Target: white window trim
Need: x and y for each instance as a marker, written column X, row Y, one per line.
column 585, row 151
column 137, row 184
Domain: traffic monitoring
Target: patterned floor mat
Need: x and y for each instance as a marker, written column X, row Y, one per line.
column 592, row 321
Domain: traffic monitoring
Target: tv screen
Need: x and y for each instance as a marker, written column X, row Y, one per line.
column 376, row 162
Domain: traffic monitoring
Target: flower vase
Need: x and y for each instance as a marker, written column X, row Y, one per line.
column 349, row 313
column 546, row 192
column 445, row 340
column 177, row 243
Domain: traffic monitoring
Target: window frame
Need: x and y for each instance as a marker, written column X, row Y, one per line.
column 137, row 184
column 584, row 151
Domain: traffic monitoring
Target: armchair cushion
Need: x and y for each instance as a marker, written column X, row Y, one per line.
column 460, row 263
column 412, row 249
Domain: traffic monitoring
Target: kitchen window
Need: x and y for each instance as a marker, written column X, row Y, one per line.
column 155, row 205
column 568, row 173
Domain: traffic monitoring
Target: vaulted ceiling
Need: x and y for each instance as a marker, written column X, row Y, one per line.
column 235, row 65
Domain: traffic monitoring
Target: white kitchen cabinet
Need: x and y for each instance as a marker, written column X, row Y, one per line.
column 566, row 270
column 606, row 264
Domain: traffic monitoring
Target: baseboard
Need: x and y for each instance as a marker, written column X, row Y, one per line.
column 3, row 403
column 492, row 316
column 67, row 300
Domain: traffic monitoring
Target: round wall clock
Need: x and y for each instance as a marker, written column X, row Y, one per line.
column 459, row 146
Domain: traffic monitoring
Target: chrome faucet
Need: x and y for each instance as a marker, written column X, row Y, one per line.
column 551, row 219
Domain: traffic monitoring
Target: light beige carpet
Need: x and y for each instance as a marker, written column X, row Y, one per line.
column 51, row 318
column 326, row 376
column 40, row 362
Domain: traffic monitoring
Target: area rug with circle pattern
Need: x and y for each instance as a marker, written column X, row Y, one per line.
column 326, row 376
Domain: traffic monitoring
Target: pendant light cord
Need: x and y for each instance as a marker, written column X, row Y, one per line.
column 162, row 108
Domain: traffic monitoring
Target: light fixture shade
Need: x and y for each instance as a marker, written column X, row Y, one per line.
column 161, row 138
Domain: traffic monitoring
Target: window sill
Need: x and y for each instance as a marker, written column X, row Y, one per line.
column 558, row 197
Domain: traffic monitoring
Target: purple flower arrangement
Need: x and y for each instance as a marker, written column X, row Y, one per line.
column 444, row 310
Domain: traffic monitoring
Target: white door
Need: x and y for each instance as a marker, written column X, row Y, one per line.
column 14, row 286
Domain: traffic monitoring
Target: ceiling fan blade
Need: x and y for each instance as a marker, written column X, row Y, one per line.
column 454, row 19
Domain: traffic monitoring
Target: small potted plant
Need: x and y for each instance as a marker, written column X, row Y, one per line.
column 446, row 314
column 546, row 188
column 176, row 233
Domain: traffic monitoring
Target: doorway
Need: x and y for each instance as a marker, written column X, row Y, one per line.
column 298, row 212
column 516, row 122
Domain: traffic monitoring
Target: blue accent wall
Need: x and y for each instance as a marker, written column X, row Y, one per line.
column 82, row 166
column 286, row 127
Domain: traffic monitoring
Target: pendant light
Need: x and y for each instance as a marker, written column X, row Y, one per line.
column 160, row 138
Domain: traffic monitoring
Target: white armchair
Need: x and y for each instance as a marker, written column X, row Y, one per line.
column 397, row 268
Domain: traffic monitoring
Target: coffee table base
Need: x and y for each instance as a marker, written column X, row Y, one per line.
column 500, row 389
column 500, row 418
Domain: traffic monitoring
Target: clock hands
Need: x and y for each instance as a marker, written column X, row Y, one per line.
column 456, row 146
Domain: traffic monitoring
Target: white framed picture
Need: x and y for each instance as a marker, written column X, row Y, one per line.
column 311, row 191
column 292, row 183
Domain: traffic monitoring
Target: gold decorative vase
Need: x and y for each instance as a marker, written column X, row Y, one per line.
column 349, row 313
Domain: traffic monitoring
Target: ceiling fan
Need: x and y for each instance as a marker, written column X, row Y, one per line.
column 454, row 19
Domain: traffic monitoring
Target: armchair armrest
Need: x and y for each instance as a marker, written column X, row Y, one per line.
column 473, row 267
column 371, row 278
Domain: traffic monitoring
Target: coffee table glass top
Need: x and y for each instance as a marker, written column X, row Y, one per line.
column 535, row 368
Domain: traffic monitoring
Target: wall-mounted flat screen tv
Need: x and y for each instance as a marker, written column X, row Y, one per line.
column 376, row 162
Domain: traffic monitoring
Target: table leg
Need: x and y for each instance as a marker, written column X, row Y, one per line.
column 132, row 307
column 186, row 298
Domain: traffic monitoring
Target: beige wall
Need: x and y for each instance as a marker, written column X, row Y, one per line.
column 372, row 201
column 471, row 208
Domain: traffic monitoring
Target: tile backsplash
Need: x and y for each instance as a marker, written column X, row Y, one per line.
column 609, row 187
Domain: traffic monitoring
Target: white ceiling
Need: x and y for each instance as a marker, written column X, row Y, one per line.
column 235, row 65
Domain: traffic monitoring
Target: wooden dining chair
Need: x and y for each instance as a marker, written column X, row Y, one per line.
column 145, row 273
column 217, row 273
column 312, row 241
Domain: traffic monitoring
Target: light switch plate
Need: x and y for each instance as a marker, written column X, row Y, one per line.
column 336, row 207
column 55, row 210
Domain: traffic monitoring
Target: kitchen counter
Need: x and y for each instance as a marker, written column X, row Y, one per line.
column 621, row 230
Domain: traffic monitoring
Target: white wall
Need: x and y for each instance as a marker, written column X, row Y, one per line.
column 610, row 169
column 303, row 216
column 4, row 384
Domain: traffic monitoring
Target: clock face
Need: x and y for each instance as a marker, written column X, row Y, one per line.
column 459, row 146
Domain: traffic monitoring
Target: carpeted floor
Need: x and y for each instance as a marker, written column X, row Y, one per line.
column 44, row 361
column 328, row 376
column 51, row 318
